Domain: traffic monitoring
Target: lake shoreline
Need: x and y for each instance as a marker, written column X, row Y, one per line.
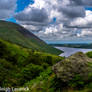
column 68, row 51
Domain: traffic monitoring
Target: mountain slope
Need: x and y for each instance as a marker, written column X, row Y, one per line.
column 16, row 34
column 19, row 65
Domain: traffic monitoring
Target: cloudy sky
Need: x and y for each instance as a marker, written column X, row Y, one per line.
column 51, row 20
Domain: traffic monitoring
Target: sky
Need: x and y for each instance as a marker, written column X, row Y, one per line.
column 51, row 20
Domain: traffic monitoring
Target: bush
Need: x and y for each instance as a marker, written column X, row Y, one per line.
column 39, row 58
column 42, row 83
column 30, row 72
column 6, row 70
column 13, row 53
column 77, row 82
column 89, row 54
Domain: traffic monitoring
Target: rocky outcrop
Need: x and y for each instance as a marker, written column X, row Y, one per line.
column 76, row 64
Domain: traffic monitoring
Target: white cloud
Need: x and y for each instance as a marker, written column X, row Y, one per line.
column 70, row 15
column 85, row 33
column 83, row 22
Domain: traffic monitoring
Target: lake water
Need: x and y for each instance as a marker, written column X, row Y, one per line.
column 69, row 51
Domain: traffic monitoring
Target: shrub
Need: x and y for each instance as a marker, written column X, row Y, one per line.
column 30, row 72
column 6, row 69
column 89, row 54
column 39, row 58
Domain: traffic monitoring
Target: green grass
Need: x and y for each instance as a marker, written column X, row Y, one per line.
column 10, row 32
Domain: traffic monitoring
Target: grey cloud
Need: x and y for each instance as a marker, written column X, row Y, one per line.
column 79, row 27
column 72, row 11
column 34, row 15
column 34, row 19
column 7, row 4
column 7, row 8
column 76, row 2
column 87, row 2
column 81, row 2
column 34, row 23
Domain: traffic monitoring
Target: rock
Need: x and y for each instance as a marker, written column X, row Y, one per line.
column 76, row 64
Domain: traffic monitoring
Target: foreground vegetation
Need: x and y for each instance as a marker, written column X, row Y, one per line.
column 66, row 76
column 19, row 65
column 42, row 72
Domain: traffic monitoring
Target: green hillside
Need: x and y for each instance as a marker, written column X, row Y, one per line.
column 19, row 65
column 16, row 34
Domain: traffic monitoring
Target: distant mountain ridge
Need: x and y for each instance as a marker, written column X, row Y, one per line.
column 74, row 45
column 17, row 34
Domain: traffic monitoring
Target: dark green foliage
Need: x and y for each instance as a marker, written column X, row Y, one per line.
column 19, row 65
column 46, row 82
column 42, row 83
column 90, row 73
column 3, row 49
column 77, row 82
column 89, row 54
column 12, row 52
column 30, row 72
column 3, row 71
column 6, row 73
column 43, row 59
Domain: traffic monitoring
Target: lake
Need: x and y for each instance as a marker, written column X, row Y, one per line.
column 69, row 51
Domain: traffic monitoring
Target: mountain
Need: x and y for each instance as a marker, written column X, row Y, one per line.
column 74, row 45
column 17, row 34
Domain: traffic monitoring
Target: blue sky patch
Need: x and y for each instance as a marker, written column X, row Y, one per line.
column 11, row 19
column 88, row 8
column 21, row 4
